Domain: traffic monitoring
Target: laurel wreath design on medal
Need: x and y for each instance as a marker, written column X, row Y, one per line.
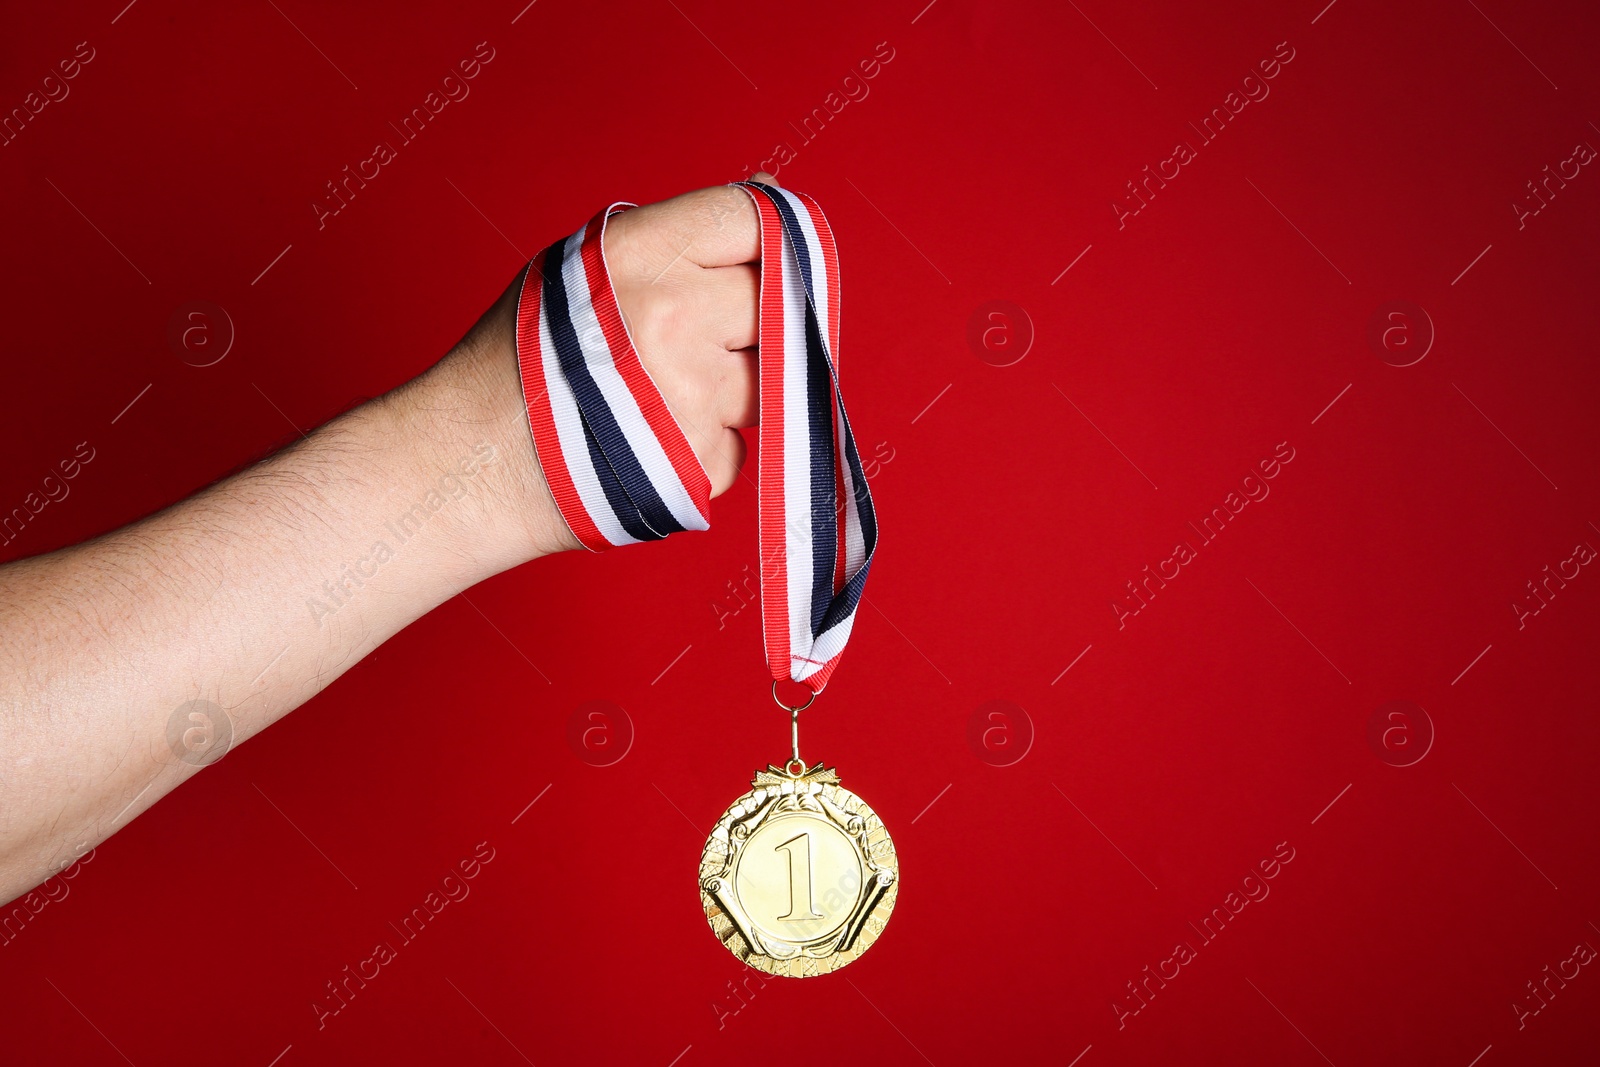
column 799, row 875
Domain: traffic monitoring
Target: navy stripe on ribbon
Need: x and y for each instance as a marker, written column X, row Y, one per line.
column 827, row 607
column 639, row 507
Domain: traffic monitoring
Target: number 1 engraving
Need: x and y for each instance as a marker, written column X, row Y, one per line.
column 799, row 880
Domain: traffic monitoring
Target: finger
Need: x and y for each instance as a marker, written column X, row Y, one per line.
column 739, row 389
column 764, row 178
column 723, row 468
column 715, row 227
column 730, row 301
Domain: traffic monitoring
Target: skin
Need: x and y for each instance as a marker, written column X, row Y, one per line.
column 101, row 642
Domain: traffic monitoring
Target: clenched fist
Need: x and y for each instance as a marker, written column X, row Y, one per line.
column 687, row 279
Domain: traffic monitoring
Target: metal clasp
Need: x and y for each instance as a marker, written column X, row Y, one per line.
column 794, row 730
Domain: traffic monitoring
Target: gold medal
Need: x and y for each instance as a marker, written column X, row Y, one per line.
column 799, row 875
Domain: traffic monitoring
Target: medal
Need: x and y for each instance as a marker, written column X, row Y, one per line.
column 799, row 875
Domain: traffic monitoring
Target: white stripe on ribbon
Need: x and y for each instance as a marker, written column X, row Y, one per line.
column 855, row 546
column 827, row 646
column 854, row 541
column 569, row 430
column 819, row 271
column 797, row 512
column 602, row 366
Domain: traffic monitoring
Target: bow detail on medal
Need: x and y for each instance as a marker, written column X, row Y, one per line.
column 622, row 471
column 778, row 776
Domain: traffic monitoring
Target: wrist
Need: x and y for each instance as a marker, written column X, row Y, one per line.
column 465, row 422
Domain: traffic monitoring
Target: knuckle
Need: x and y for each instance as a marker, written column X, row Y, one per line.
column 667, row 319
column 726, row 206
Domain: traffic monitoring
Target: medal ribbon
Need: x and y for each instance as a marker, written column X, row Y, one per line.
column 622, row 471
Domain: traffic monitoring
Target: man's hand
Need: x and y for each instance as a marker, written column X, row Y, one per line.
column 257, row 592
column 685, row 271
column 687, row 281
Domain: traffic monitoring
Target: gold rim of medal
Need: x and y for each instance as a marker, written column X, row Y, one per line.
column 799, row 875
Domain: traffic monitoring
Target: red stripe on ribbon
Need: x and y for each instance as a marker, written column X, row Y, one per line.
column 632, row 370
column 774, row 539
column 541, row 420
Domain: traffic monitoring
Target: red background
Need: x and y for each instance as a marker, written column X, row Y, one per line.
column 1219, row 721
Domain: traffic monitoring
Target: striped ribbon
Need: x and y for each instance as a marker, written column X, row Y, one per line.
column 622, row 471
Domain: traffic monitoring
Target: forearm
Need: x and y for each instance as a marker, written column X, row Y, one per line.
column 127, row 663
column 253, row 595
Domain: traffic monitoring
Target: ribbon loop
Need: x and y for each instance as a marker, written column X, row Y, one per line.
column 818, row 525
column 617, row 462
column 622, row 471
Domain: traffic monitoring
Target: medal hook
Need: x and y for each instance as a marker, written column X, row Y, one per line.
column 794, row 711
column 794, row 737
